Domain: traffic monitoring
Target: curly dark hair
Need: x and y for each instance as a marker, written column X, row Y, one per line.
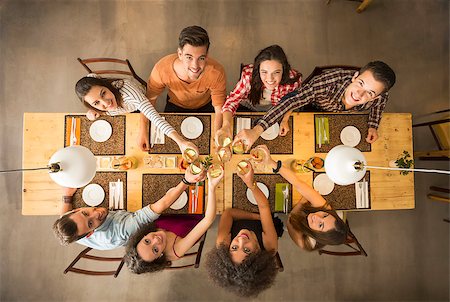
column 336, row 236
column 273, row 52
column 134, row 262
column 381, row 72
column 85, row 84
column 256, row 273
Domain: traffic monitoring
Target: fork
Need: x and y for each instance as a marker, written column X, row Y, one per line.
column 325, row 138
column 286, row 199
column 361, row 194
column 113, row 194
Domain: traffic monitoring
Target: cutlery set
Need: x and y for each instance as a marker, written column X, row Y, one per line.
column 322, row 131
column 362, row 194
column 286, row 199
column 116, row 195
column 157, row 136
column 194, row 194
column 75, row 122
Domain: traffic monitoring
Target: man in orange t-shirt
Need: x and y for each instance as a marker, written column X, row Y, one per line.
column 195, row 82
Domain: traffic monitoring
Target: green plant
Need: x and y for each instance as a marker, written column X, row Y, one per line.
column 207, row 162
column 404, row 161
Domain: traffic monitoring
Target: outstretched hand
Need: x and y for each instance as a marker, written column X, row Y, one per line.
column 214, row 181
column 92, row 115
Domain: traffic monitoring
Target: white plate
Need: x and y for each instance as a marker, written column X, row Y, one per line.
column 271, row 132
column 100, row 131
column 180, row 202
column 350, row 136
column 323, row 184
column 262, row 187
column 93, row 195
column 191, row 127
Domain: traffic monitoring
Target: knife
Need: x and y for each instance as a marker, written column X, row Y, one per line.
column 72, row 131
column 286, row 199
column 319, row 129
column 116, row 195
column 196, row 196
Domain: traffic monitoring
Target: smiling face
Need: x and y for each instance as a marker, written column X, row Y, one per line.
column 362, row 89
column 321, row 221
column 244, row 244
column 101, row 98
column 88, row 219
column 193, row 59
column 152, row 245
column 271, row 72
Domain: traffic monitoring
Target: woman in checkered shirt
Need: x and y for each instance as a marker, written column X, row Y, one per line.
column 261, row 86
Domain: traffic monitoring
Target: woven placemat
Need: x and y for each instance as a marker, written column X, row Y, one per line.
column 240, row 200
column 115, row 145
column 344, row 197
column 279, row 145
column 336, row 123
column 103, row 179
column 170, row 147
column 154, row 186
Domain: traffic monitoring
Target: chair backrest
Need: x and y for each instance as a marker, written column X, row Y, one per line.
column 320, row 69
column 197, row 253
column 351, row 242
column 84, row 254
column 280, row 266
column 113, row 71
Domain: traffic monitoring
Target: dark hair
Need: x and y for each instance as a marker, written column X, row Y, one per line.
column 256, row 273
column 85, row 84
column 193, row 35
column 382, row 73
column 65, row 229
column 273, row 52
column 336, row 236
column 134, row 262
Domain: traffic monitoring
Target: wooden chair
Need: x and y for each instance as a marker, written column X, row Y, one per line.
column 129, row 72
column 364, row 4
column 439, row 197
column 84, row 254
column 439, row 125
column 197, row 253
column 351, row 242
column 279, row 263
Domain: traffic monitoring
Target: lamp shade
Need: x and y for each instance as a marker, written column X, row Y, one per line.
column 339, row 165
column 78, row 166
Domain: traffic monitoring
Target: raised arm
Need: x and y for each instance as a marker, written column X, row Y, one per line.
column 303, row 188
column 269, row 234
column 184, row 244
column 171, row 196
column 67, row 199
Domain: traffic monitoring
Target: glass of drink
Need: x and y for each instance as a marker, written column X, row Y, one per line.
column 223, row 140
column 239, row 147
column 257, row 154
column 243, row 167
column 297, row 166
column 224, row 154
column 190, row 155
column 124, row 163
column 196, row 167
column 215, row 170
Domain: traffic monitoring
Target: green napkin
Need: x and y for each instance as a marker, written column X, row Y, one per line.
column 279, row 197
column 322, row 126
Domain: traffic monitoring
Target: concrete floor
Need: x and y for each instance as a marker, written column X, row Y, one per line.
column 40, row 41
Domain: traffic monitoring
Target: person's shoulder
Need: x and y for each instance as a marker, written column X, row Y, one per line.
column 166, row 61
column 338, row 72
column 214, row 66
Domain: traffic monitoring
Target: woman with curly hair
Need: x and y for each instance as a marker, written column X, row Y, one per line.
column 312, row 223
column 120, row 96
column 243, row 260
column 155, row 246
column 261, row 86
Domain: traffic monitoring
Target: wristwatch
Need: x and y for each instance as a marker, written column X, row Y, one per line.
column 277, row 169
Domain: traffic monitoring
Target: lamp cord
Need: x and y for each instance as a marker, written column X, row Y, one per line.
column 19, row 170
column 412, row 170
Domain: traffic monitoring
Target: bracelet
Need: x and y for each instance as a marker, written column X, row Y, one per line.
column 253, row 186
column 184, row 180
column 277, row 169
column 67, row 199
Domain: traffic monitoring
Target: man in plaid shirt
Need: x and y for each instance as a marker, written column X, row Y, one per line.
column 335, row 90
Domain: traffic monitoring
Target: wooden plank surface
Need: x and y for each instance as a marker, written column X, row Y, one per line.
column 43, row 134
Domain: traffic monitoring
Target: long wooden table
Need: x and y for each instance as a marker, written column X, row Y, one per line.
column 44, row 135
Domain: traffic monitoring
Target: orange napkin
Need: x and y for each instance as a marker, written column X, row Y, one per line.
column 200, row 202
column 77, row 130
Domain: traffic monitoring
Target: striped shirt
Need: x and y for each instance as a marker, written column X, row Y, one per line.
column 240, row 93
column 133, row 98
column 325, row 93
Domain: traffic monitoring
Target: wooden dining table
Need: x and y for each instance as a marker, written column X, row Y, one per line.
column 44, row 134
